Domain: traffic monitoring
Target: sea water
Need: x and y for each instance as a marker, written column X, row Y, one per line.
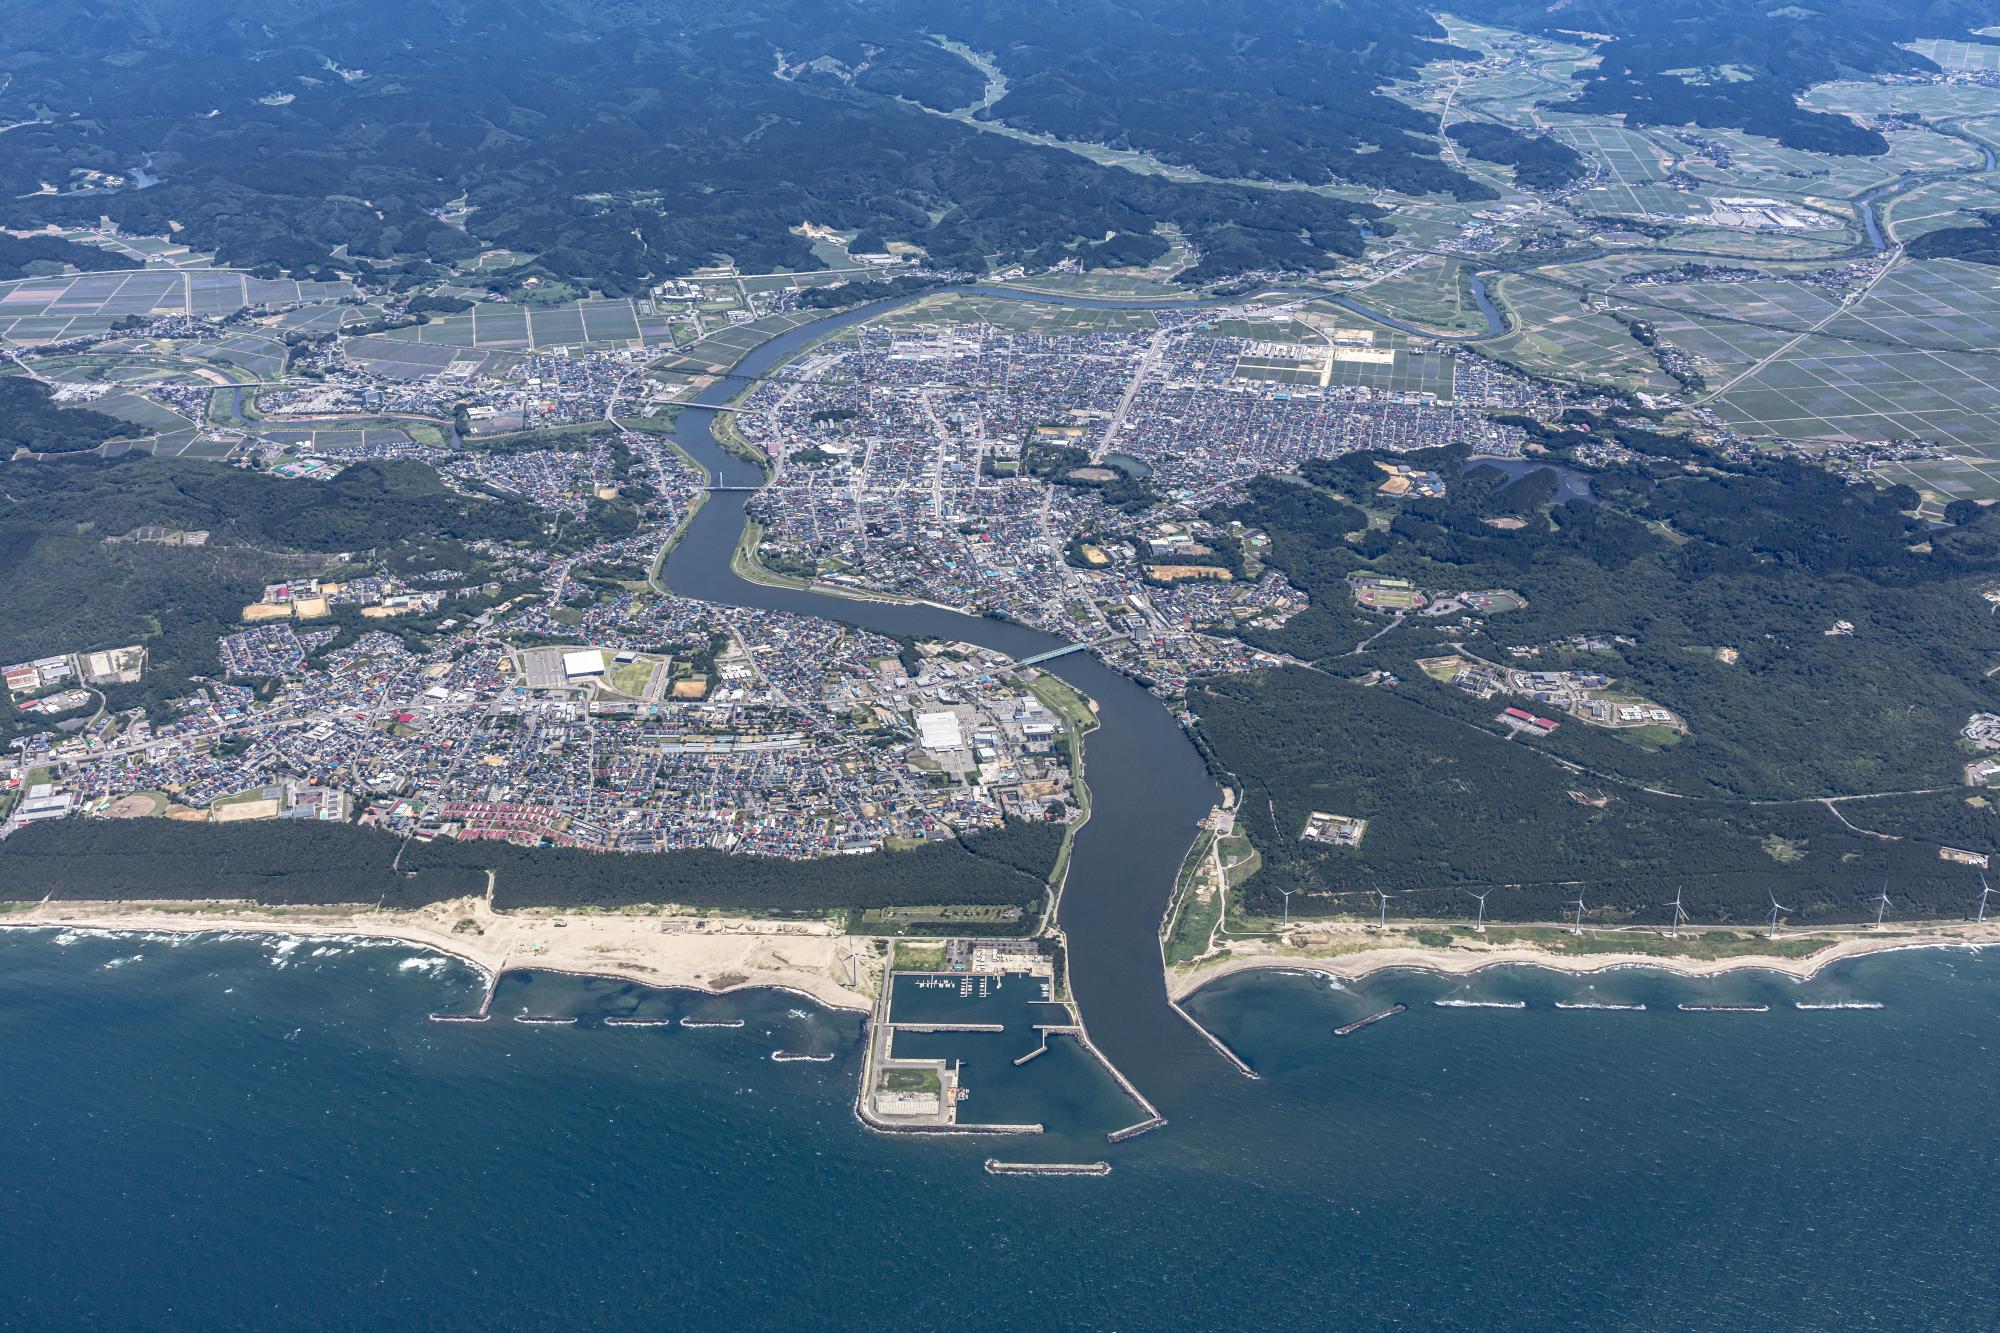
column 248, row 1132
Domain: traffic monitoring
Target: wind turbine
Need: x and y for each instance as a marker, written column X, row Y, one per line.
column 853, row 970
column 1776, row 908
column 1881, row 901
column 1479, row 926
column 1577, row 929
column 1288, row 907
column 1675, row 929
column 1984, row 890
column 1382, row 919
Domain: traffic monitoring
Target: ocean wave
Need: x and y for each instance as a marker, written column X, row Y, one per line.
column 120, row 962
column 436, row 962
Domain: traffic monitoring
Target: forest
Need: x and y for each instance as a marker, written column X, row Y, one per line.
column 1540, row 162
column 1454, row 808
column 70, row 590
column 1726, row 65
column 840, row 135
column 22, row 255
column 1974, row 245
column 31, row 419
column 1762, row 558
column 1661, row 568
column 290, row 862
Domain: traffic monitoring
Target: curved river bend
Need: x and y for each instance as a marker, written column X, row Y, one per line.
column 1148, row 787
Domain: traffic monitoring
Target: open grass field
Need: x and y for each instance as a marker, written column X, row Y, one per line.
column 1940, row 204
column 316, row 440
column 1019, row 316
column 1558, row 337
column 1435, row 291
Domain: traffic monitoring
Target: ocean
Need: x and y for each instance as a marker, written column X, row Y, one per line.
column 248, row 1132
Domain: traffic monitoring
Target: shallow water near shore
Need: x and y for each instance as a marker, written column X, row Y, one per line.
column 254, row 1131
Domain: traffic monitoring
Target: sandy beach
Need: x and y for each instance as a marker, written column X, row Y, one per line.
column 658, row 950
column 1357, row 959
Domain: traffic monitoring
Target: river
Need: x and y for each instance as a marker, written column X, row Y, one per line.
column 1148, row 786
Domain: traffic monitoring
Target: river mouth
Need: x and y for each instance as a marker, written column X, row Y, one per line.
column 1149, row 787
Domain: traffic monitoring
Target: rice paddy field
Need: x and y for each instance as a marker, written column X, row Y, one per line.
column 525, row 328
column 1971, row 475
column 1821, row 388
column 1418, row 372
column 1958, row 55
column 39, row 310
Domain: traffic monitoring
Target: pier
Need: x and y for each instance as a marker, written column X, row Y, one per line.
column 1134, row 1131
column 996, row 1167
column 948, row 1027
column 1349, row 1029
column 1221, row 1047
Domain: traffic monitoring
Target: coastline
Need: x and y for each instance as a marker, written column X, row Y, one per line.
column 1457, row 962
column 727, row 954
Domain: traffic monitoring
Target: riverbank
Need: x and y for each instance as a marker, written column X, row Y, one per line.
column 724, row 954
column 1353, row 952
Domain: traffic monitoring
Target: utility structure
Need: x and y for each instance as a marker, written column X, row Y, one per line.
column 1382, row 917
column 1674, row 930
column 853, row 970
column 1777, row 909
column 1984, row 892
column 1288, row 907
column 1577, row 929
column 1479, row 926
column 1881, row 904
